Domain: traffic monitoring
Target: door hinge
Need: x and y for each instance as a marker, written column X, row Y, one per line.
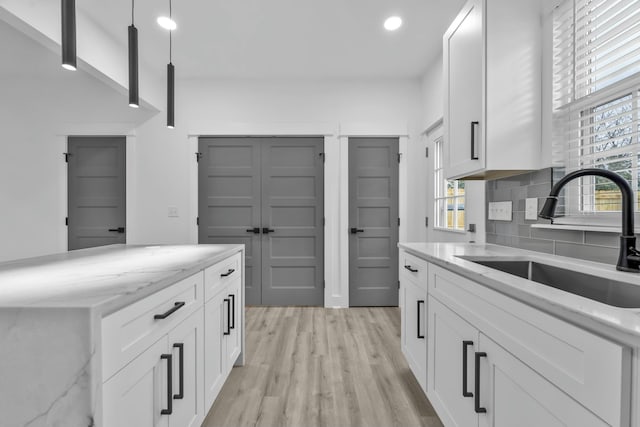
column 324, row 284
column 398, row 221
column 426, row 221
column 426, row 151
column 197, row 220
column 198, row 157
column 398, row 284
column 324, row 157
column 399, row 157
column 66, row 157
column 66, row 221
column 324, row 221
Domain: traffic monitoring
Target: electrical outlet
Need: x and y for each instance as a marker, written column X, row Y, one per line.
column 531, row 209
column 501, row 211
column 173, row 212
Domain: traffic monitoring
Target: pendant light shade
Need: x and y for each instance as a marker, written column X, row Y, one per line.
column 69, row 34
column 134, row 98
column 170, row 96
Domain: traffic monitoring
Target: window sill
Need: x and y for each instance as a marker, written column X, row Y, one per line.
column 580, row 227
column 450, row 230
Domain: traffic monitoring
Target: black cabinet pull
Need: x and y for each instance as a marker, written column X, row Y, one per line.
column 420, row 336
column 478, row 408
column 233, row 311
column 267, row 230
column 227, row 301
column 254, row 230
column 169, row 359
column 117, row 230
column 474, row 155
column 413, row 270
column 356, row 230
column 177, row 306
column 180, row 347
column 465, row 344
column 228, row 273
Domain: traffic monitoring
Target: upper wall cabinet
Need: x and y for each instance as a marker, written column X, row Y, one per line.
column 493, row 79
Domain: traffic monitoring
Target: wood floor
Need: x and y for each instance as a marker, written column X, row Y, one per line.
column 310, row 367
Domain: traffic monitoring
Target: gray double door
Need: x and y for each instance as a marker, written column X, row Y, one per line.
column 96, row 188
column 373, row 221
column 267, row 193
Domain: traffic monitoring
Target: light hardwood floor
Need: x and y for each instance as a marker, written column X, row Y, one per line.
column 310, row 367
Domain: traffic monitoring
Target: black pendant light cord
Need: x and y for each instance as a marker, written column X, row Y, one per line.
column 170, row 39
column 133, row 5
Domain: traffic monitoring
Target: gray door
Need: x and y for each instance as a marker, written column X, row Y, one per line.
column 229, row 180
column 373, row 221
column 268, row 194
column 96, row 179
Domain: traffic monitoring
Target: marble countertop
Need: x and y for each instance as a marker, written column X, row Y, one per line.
column 102, row 279
column 619, row 324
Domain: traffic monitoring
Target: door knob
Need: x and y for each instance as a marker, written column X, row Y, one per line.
column 267, row 230
column 356, row 230
column 117, row 230
column 254, row 230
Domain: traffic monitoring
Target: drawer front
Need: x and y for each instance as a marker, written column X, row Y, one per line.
column 413, row 268
column 128, row 332
column 591, row 369
column 221, row 274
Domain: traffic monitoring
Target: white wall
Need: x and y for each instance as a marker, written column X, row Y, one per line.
column 432, row 90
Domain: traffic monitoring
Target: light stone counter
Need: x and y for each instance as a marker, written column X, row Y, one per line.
column 618, row 324
column 51, row 309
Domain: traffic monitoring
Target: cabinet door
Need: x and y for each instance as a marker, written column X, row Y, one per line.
column 414, row 317
column 214, row 348
column 451, row 341
column 464, row 83
column 185, row 344
column 515, row 395
column 136, row 395
column 233, row 315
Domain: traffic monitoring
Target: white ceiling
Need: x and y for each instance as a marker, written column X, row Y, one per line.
column 283, row 38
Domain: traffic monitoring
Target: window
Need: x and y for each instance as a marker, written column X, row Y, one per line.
column 596, row 100
column 449, row 195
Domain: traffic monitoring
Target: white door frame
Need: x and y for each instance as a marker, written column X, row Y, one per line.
column 336, row 176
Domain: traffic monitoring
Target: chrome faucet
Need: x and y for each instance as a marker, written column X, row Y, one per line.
column 629, row 256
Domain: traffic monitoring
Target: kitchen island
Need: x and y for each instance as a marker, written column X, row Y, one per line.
column 70, row 323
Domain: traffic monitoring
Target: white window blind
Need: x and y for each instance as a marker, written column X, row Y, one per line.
column 596, row 85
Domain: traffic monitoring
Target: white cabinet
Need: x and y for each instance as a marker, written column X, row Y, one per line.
column 492, row 78
column 232, row 340
column 414, row 329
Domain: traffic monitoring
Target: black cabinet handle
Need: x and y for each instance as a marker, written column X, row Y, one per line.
column 465, row 344
column 228, row 273
column 356, row 230
column 180, row 347
column 413, row 270
column 169, row 359
column 254, row 230
column 420, row 336
column 227, row 301
column 479, row 409
column 177, row 306
column 267, row 230
column 233, row 311
column 117, row 230
column 474, row 155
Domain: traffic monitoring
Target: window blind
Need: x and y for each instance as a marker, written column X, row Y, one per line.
column 596, row 88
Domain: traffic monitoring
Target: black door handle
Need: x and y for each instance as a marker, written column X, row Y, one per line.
column 420, row 336
column 267, row 230
column 180, row 347
column 356, row 230
column 228, row 273
column 117, row 230
column 177, row 306
column 227, row 301
column 254, row 230
column 169, row 359
column 474, row 155
column 465, row 393
column 233, row 311
column 411, row 269
column 479, row 409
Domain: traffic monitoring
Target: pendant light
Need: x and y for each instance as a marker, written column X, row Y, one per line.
column 170, row 82
column 69, row 34
column 134, row 98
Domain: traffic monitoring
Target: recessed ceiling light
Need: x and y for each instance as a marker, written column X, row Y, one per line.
column 167, row 23
column 393, row 23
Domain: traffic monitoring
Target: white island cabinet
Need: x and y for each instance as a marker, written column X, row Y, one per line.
column 146, row 333
column 496, row 357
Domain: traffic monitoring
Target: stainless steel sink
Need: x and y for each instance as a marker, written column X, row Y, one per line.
column 607, row 291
